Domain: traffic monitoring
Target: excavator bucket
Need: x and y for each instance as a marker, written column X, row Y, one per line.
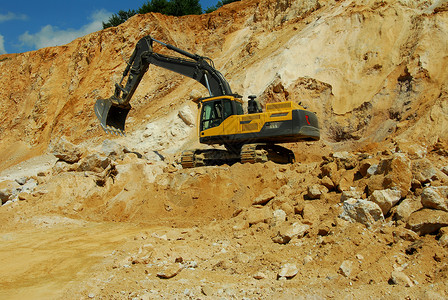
column 111, row 116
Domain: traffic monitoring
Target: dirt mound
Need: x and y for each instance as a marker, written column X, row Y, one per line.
column 364, row 211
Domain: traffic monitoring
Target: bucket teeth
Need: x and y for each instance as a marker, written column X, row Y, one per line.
column 112, row 130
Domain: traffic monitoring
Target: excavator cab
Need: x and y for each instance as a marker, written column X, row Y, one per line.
column 215, row 110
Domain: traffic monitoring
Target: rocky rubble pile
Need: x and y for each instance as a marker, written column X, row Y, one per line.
column 17, row 190
column 261, row 224
column 393, row 187
column 390, row 186
column 387, row 187
column 98, row 164
column 350, row 220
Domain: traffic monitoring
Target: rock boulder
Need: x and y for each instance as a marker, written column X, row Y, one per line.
column 392, row 173
column 427, row 221
column 362, row 211
column 435, row 197
column 95, row 162
column 66, row 151
column 407, row 207
column 385, row 199
column 290, row 231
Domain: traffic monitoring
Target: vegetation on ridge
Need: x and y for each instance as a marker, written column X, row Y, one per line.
column 166, row 7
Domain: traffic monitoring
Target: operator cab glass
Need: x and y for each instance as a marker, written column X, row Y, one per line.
column 216, row 111
column 238, row 108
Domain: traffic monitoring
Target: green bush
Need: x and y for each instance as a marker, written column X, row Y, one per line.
column 119, row 18
column 166, row 7
column 160, row 6
column 218, row 5
column 184, row 7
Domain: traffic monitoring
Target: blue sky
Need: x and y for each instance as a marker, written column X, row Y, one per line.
column 30, row 25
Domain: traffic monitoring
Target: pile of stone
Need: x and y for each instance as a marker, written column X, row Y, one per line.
column 22, row 188
column 99, row 164
column 395, row 187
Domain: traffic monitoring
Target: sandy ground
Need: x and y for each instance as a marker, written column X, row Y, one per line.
column 89, row 244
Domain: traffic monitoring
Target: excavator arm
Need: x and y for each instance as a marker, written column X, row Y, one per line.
column 112, row 112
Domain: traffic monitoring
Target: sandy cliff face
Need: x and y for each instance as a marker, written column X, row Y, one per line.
column 370, row 69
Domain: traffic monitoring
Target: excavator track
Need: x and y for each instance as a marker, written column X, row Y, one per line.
column 187, row 159
column 253, row 153
column 200, row 158
column 279, row 154
column 250, row 153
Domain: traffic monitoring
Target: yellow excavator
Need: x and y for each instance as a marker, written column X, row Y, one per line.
column 248, row 138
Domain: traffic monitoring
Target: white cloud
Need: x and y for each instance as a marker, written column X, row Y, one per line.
column 2, row 45
column 49, row 35
column 12, row 16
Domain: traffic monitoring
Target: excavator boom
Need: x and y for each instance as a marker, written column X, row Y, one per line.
column 112, row 112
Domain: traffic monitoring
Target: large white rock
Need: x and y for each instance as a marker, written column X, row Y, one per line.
column 288, row 270
column 187, row 115
column 66, row 151
column 288, row 232
column 362, row 211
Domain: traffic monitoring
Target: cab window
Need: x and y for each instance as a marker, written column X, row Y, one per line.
column 215, row 112
column 212, row 114
column 238, row 108
column 227, row 108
